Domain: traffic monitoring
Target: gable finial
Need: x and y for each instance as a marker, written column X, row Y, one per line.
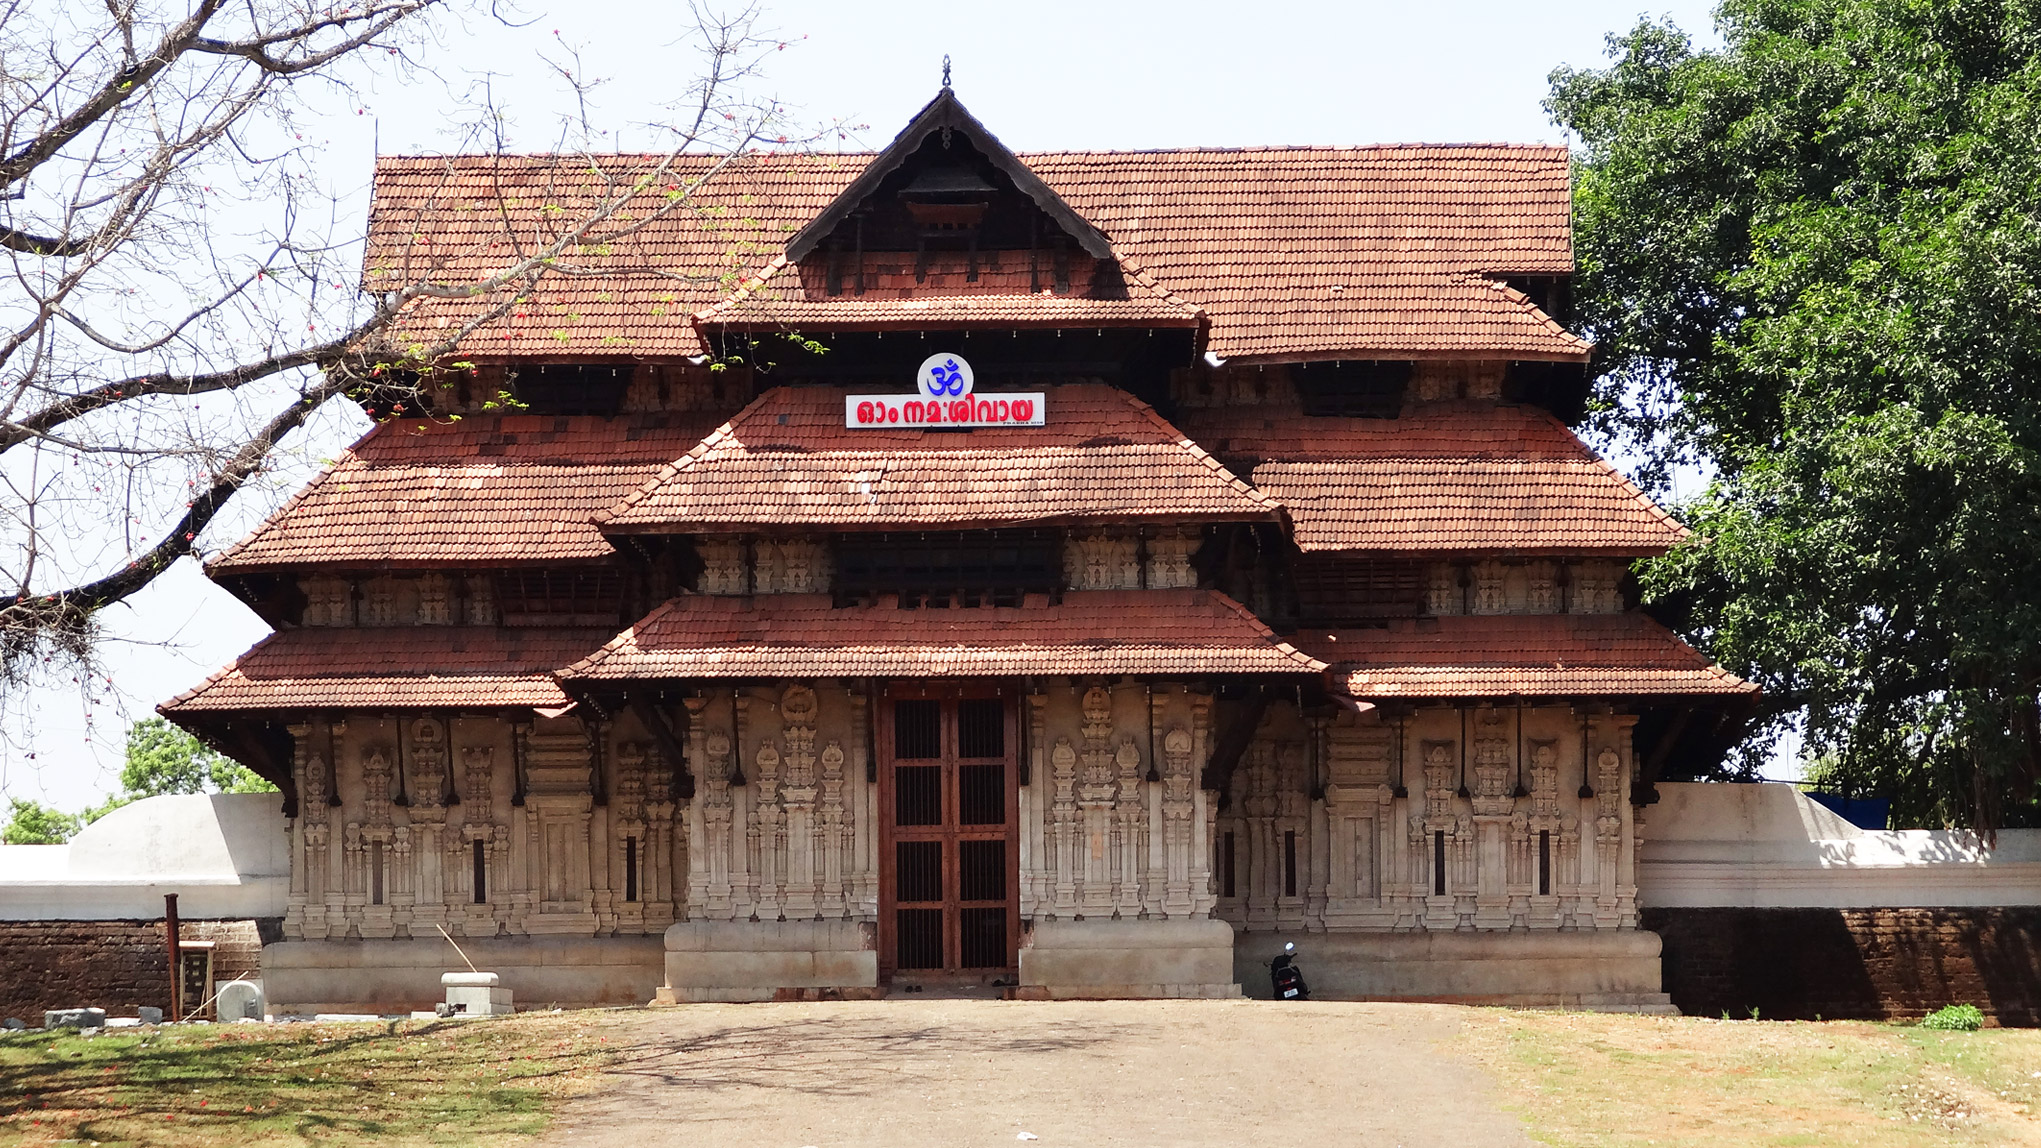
column 946, row 69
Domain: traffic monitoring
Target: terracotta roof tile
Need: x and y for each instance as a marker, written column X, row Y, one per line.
column 788, row 459
column 1547, row 655
column 1290, row 251
column 427, row 667
column 800, row 635
column 489, row 489
column 1446, row 478
column 784, row 295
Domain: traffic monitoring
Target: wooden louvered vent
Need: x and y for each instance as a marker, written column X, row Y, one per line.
column 1343, row 589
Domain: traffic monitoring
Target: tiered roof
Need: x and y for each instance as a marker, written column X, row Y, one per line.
column 1088, row 632
column 1292, row 253
column 420, row 668
column 1446, row 477
column 788, row 460
column 1280, row 254
column 487, row 490
column 1532, row 655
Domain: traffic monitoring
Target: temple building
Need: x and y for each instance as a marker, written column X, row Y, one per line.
column 1064, row 574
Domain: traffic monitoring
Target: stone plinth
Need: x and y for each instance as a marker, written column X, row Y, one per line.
column 476, row 994
column 1107, row 959
column 404, row 976
column 1609, row 970
column 764, row 960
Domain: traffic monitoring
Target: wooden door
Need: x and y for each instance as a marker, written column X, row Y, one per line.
column 949, row 847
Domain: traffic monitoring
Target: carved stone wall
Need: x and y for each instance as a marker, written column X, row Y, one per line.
column 1510, row 820
column 1594, row 586
column 485, row 827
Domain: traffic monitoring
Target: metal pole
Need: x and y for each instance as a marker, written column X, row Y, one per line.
column 170, row 932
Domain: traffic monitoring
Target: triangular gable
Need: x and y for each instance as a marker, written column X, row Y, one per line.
column 946, row 114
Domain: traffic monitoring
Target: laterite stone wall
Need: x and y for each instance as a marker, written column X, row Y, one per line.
column 115, row 965
column 1872, row 964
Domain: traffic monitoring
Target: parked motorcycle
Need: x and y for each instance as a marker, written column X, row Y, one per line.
column 1286, row 978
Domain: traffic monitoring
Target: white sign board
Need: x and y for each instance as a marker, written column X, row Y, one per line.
column 943, row 398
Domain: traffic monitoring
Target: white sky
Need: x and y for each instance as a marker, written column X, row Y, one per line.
column 1048, row 75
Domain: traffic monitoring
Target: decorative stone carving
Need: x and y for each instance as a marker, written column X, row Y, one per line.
column 329, row 601
column 801, row 832
column 1438, row 781
column 792, row 566
column 1492, row 773
column 1545, row 780
column 1063, row 815
column 722, row 566
column 1597, row 588
column 480, row 600
column 435, row 600
column 380, row 609
column 766, row 831
column 1490, row 595
column 1169, row 559
column 1443, row 594
column 1101, row 562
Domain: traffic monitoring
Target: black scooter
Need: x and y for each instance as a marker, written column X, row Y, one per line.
column 1286, row 978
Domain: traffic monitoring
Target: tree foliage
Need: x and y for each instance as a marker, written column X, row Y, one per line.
column 160, row 759
column 180, row 288
column 1811, row 261
column 33, row 823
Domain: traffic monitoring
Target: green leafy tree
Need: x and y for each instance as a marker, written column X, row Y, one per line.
column 160, row 759
column 1811, row 262
column 33, row 823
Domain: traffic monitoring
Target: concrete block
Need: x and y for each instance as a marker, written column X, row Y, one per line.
column 1076, row 959
column 13, row 1024
column 760, row 960
column 74, row 1018
column 476, row 994
column 239, row 1000
column 149, row 1014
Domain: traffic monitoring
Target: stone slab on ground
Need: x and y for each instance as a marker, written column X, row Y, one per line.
column 74, row 1018
column 958, row 1073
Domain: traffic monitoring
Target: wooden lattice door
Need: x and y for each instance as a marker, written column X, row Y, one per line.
column 949, row 860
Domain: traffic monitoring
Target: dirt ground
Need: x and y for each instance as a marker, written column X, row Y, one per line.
column 964, row 1073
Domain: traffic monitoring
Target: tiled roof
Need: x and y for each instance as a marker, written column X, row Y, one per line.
column 788, row 459
column 1444, row 478
column 1092, row 632
column 1545, row 655
column 426, row 667
column 489, row 489
column 1292, row 252
column 784, row 295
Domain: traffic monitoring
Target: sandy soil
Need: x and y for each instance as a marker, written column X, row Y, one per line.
column 960, row 1073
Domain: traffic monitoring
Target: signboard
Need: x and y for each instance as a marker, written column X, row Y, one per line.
column 944, row 398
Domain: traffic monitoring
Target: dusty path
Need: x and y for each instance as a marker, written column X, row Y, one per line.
column 965, row 1073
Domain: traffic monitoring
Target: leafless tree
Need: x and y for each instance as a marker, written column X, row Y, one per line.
column 181, row 291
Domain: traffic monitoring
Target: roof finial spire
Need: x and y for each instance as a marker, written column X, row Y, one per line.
column 946, row 69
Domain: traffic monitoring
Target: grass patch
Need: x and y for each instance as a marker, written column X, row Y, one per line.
column 1584, row 1080
column 393, row 1082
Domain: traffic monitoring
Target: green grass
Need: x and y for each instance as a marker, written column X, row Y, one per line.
column 1590, row 1081
column 403, row 1082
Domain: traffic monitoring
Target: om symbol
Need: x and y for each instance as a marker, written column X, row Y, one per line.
column 946, row 379
column 945, row 375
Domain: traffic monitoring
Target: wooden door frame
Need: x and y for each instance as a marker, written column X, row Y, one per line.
column 950, row 691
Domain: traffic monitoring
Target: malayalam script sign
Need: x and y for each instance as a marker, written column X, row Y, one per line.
column 944, row 398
